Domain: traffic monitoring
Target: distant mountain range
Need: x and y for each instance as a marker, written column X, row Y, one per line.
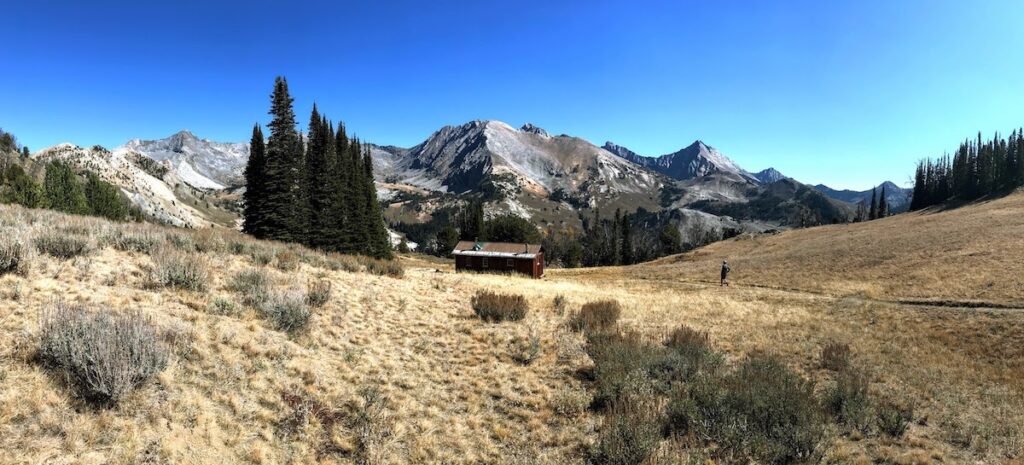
column 552, row 180
column 897, row 197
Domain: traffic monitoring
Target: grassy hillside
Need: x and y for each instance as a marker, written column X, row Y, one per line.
column 396, row 368
column 974, row 253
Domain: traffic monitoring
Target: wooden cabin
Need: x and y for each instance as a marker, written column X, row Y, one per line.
column 500, row 257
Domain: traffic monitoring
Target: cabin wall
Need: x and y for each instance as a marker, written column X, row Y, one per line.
column 530, row 267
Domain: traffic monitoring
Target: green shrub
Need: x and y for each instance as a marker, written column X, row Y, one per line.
column 495, row 308
column 222, row 306
column 571, row 402
column 136, row 241
column 761, row 410
column 631, row 430
column 101, row 353
column 893, row 419
column 178, row 270
column 14, row 255
column 63, row 246
column 835, row 356
column 559, row 303
column 621, row 358
column 849, row 401
column 318, row 293
column 596, row 316
column 253, row 284
column 288, row 311
column 182, row 242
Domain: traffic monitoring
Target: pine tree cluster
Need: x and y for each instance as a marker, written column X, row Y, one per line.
column 319, row 192
column 976, row 169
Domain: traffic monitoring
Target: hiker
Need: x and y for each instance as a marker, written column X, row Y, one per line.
column 725, row 273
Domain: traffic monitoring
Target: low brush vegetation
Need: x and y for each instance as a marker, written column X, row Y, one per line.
column 103, row 355
column 496, row 308
column 333, row 362
column 63, row 246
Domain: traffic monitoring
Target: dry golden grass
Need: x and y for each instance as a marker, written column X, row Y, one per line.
column 975, row 253
column 401, row 371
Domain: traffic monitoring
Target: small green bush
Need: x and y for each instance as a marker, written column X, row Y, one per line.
column 178, row 270
column 63, row 246
column 253, row 285
column 526, row 349
column 495, row 308
column 761, row 410
column 288, row 311
column 849, row 401
column 103, row 354
column 222, row 306
column 621, row 358
column 835, row 356
column 631, row 430
column 559, row 303
column 260, row 255
column 893, row 419
column 596, row 316
column 318, row 293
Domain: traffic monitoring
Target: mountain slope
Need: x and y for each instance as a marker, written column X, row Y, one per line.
column 201, row 163
column 770, row 175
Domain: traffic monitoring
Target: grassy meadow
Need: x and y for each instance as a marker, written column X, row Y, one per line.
column 273, row 354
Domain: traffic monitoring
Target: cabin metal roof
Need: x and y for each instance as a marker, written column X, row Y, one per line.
column 497, row 249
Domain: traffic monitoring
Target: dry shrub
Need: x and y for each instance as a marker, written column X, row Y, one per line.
column 835, row 356
column 286, row 260
column 142, row 241
column 336, row 262
column 559, row 303
column 253, row 285
column 625, row 362
column 687, row 340
column 222, row 306
column 182, row 242
column 571, row 402
column 63, row 246
column 101, row 353
column 260, row 255
column 631, row 430
column 761, row 410
column 495, row 308
column 390, row 268
column 178, row 270
column 15, row 255
column 208, row 240
column 596, row 316
column 318, row 293
column 288, row 311
column 849, row 400
column 526, row 349
column 893, row 418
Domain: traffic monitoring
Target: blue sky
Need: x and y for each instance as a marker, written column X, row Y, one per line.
column 845, row 93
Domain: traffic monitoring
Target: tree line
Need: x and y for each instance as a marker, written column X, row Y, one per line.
column 978, row 168
column 319, row 192
column 62, row 189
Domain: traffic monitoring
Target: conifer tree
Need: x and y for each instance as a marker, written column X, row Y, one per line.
column 282, row 168
column 62, row 190
column 883, row 206
column 104, row 199
column 377, row 232
column 873, row 212
column 253, row 212
column 318, row 183
column 627, row 241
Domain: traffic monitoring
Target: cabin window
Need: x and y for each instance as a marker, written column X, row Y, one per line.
column 483, row 262
column 510, row 263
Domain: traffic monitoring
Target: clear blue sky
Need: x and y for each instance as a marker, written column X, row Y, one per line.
column 846, row 93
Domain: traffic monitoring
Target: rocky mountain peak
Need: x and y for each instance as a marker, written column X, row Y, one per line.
column 529, row 127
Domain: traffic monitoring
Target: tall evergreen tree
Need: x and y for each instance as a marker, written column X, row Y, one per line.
column 104, row 199
column 378, row 237
column 873, row 212
column 318, row 182
column 281, row 189
column 628, row 257
column 254, row 212
column 883, row 205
